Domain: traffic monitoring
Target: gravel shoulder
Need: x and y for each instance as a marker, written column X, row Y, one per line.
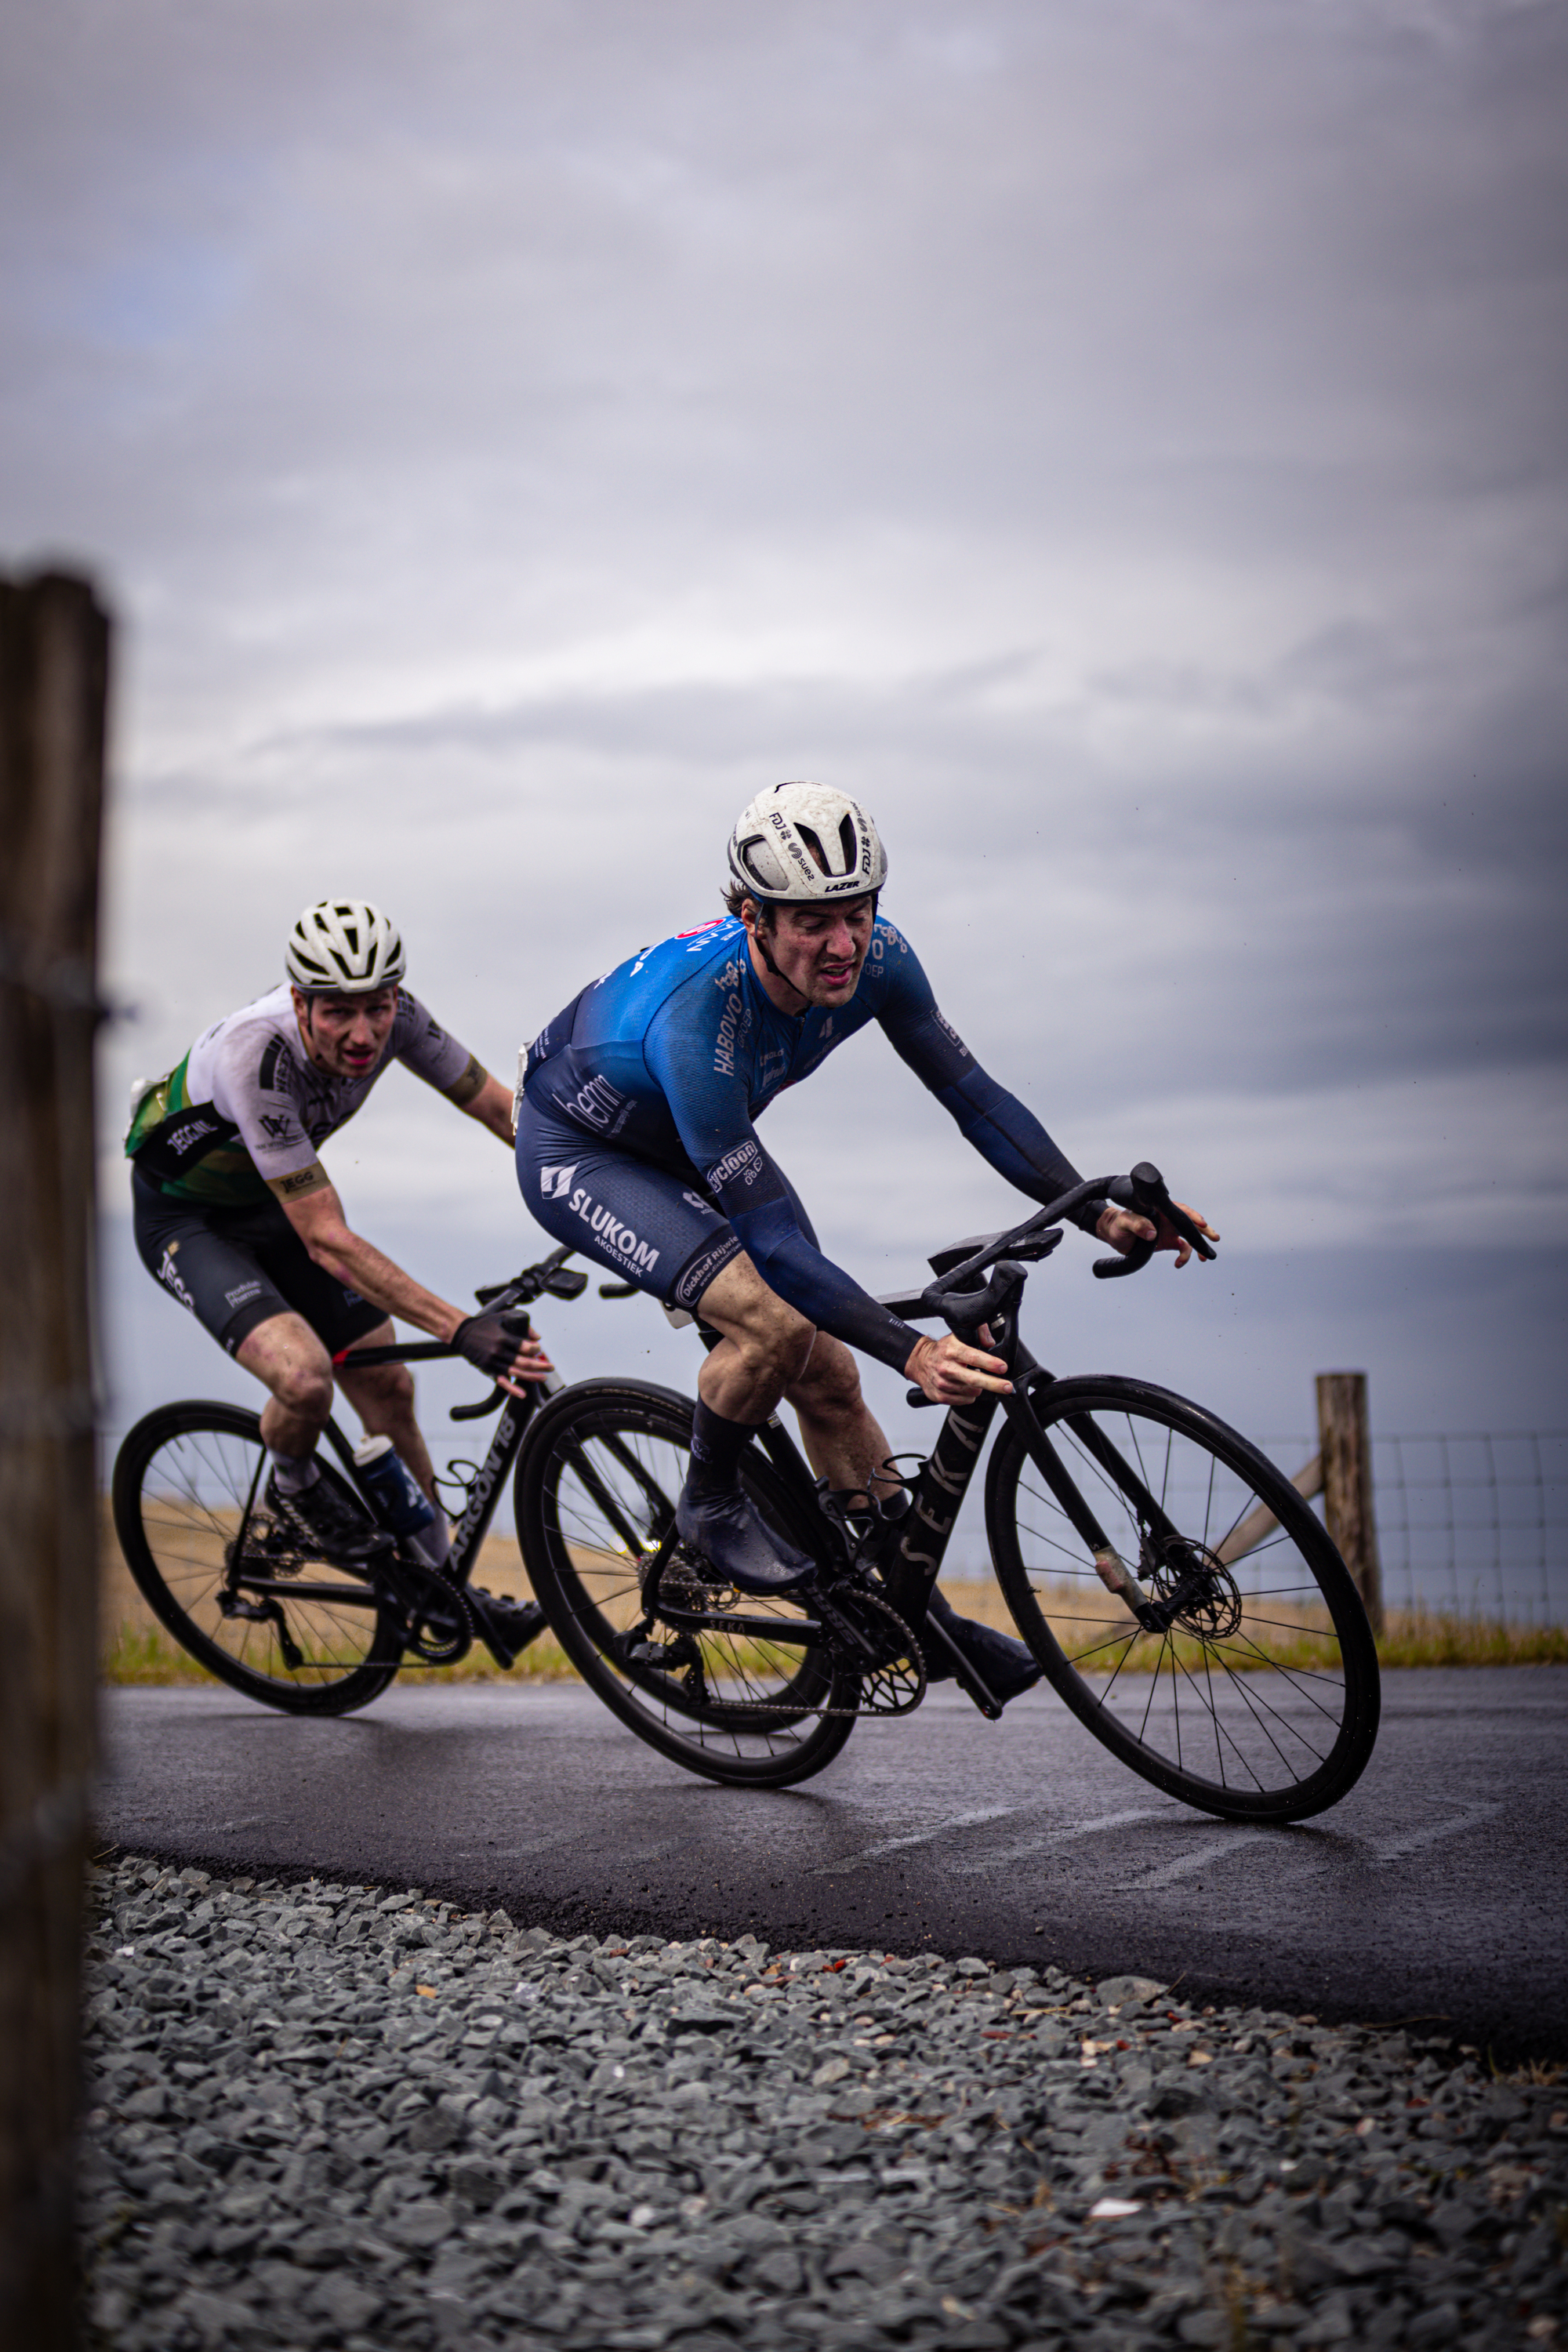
column 335, row 2114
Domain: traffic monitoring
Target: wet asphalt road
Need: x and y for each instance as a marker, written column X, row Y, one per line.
column 1435, row 1891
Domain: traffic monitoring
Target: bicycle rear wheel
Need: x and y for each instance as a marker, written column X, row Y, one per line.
column 1260, row 1702
column 186, row 1480
column 596, row 1486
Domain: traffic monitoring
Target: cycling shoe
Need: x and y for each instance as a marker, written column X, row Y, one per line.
column 724, row 1527
column 514, row 1623
column 1006, row 1666
column 517, row 1621
column 330, row 1526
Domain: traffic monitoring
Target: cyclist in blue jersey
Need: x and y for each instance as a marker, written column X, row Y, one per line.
column 637, row 1144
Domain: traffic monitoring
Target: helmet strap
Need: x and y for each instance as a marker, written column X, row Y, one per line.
column 761, row 938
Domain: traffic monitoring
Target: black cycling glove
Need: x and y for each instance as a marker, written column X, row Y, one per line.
column 491, row 1339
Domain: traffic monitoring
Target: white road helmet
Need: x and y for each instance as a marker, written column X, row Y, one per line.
column 800, row 844
column 346, row 947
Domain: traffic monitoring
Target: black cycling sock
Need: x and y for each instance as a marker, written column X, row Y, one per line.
column 717, row 1445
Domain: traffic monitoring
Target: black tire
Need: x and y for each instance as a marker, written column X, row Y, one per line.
column 596, row 1484
column 185, row 1479
column 1261, row 1702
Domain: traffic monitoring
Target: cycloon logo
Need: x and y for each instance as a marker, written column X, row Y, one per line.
column 554, row 1183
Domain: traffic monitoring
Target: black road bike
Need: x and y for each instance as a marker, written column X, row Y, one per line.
column 1178, row 1593
column 246, row 1595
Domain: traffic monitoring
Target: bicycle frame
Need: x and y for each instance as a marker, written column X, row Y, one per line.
column 482, row 1491
column 911, row 1571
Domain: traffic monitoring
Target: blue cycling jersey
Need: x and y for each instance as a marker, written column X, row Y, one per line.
column 675, row 1055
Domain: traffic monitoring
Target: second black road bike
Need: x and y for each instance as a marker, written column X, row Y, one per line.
column 243, row 1593
column 1178, row 1593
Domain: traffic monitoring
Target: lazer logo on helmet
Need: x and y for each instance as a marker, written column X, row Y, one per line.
column 610, row 1233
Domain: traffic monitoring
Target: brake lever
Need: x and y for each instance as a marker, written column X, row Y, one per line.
column 1144, row 1191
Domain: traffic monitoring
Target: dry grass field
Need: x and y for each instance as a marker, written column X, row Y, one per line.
column 134, row 1648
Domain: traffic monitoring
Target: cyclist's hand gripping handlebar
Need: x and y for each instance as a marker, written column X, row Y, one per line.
column 1143, row 1191
column 491, row 1338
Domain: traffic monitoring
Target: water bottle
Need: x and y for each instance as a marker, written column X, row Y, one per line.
column 396, row 1496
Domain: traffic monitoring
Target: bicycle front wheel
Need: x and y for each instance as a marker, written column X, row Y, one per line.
column 1261, row 1701
column 238, row 1592
column 596, row 1487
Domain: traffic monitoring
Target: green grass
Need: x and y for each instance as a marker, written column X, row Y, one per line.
column 1419, row 1637
column 148, row 1656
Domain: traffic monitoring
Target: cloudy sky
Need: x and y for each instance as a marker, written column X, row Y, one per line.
column 1122, row 441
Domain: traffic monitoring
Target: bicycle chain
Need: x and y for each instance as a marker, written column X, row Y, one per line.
column 909, row 1648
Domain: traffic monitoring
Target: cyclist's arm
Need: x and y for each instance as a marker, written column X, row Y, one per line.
column 995, row 1122
column 433, row 1054
column 309, row 1199
column 711, row 1113
column 490, row 1105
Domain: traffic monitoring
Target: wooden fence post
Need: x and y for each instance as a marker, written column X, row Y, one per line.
column 1345, row 1437
column 54, row 660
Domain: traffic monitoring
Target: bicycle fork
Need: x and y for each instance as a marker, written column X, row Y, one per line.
column 912, row 1569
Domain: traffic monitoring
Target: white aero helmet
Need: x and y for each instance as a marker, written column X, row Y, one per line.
column 346, row 947
column 800, row 844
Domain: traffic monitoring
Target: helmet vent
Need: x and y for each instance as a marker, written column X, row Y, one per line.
column 800, row 842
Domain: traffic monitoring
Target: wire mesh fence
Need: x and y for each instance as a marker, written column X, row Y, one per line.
column 1469, row 1527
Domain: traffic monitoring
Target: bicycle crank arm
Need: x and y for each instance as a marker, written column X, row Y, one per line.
column 484, row 1625
column 968, row 1681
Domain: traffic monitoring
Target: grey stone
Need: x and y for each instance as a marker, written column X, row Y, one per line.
column 639, row 2187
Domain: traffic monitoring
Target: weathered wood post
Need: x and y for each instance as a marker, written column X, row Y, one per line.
column 1344, row 1435
column 54, row 660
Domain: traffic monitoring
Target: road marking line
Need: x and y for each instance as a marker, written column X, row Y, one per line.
column 1391, row 1849
column 1021, row 1848
column 1216, row 1851
column 915, row 1837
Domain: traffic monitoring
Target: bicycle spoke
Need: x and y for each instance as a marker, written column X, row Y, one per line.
column 1248, row 1692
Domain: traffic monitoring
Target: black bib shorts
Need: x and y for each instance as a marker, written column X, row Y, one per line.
column 234, row 1268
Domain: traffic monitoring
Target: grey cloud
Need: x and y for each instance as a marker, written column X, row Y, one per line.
column 1124, row 442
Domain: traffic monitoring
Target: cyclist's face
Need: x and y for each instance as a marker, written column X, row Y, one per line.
column 346, row 1034
column 819, row 949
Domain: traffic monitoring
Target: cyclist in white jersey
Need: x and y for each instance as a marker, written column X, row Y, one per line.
column 238, row 1219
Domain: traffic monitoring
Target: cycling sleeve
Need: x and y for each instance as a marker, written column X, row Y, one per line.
column 995, row 1121
column 710, row 1112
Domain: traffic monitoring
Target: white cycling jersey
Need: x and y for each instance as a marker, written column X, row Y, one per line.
column 246, row 1110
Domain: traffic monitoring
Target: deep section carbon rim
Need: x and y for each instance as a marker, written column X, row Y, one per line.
column 275, row 1623
column 1260, row 1700
column 596, row 1489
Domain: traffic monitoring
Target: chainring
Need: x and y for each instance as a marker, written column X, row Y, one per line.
column 896, row 1684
